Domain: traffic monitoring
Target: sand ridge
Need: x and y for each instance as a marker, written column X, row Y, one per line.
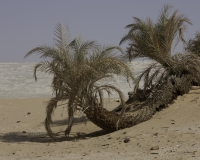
column 173, row 133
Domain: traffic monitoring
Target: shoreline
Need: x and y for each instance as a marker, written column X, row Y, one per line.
column 17, row 81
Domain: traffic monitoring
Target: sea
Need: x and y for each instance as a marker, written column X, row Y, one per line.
column 17, row 81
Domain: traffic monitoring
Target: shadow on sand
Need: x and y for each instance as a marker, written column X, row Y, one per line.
column 42, row 137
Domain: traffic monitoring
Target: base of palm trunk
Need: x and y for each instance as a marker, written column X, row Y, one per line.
column 158, row 99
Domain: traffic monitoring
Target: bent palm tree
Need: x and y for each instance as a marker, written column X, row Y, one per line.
column 77, row 71
column 169, row 75
column 77, row 67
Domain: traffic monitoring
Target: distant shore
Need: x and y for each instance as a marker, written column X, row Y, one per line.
column 17, row 81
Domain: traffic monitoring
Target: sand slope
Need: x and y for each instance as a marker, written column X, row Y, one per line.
column 174, row 132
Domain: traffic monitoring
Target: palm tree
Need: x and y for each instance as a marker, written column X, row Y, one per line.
column 157, row 41
column 77, row 67
column 169, row 75
column 193, row 45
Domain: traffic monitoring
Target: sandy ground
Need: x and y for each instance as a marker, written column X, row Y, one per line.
column 174, row 133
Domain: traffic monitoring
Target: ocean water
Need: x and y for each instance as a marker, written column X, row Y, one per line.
column 17, row 81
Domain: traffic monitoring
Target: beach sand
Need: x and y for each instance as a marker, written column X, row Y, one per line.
column 174, row 133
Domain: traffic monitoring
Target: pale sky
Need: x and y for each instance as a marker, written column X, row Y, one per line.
column 25, row 24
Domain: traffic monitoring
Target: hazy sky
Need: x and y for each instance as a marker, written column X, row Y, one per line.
column 25, row 24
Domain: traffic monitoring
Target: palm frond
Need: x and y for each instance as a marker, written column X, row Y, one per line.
column 121, row 96
column 51, row 106
column 155, row 40
column 62, row 37
column 193, row 45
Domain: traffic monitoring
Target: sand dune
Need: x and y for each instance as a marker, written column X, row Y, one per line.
column 173, row 133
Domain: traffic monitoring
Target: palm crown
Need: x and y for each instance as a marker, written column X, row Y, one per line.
column 156, row 41
column 77, row 66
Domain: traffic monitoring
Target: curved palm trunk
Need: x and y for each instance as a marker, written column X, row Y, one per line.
column 159, row 98
column 107, row 120
column 135, row 112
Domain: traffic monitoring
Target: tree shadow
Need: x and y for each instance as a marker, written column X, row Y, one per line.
column 42, row 137
column 98, row 133
column 13, row 137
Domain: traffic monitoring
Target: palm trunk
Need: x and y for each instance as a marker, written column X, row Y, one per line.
column 107, row 119
column 159, row 98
